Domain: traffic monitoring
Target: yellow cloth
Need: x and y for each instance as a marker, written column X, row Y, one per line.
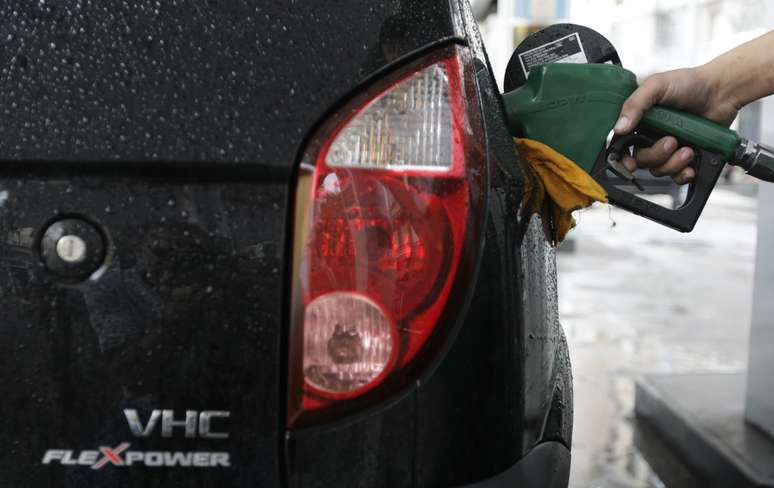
column 569, row 188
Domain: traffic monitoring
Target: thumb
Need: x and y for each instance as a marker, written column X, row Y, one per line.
column 643, row 98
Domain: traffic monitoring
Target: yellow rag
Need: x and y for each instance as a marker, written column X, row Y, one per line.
column 569, row 188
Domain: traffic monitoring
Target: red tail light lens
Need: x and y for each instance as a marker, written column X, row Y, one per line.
column 383, row 222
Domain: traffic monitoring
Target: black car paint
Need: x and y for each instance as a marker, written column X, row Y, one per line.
column 179, row 319
column 191, row 81
column 488, row 402
column 546, row 466
column 113, row 110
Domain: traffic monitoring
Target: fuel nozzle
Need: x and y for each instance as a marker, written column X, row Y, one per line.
column 756, row 159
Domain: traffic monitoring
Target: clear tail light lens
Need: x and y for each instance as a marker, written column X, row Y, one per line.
column 388, row 205
column 405, row 128
column 349, row 342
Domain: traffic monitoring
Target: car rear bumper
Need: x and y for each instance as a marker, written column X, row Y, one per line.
column 547, row 465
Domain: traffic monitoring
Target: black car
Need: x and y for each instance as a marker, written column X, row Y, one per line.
column 265, row 244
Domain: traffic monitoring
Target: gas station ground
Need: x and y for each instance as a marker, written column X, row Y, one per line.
column 637, row 298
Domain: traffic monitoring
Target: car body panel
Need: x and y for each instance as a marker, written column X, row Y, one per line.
column 548, row 462
column 487, row 402
column 113, row 110
column 210, row 82
column 185, row 315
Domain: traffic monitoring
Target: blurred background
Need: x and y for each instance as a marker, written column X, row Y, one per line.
column 637, row 298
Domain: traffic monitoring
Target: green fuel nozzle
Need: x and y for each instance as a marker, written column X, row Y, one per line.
column 573, row 108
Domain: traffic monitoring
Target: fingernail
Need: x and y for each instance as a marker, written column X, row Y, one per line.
column 622, row 124
column 670, row 145
column 686, row 154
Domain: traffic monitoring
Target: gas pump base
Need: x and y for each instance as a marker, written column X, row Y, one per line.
column 701, row 418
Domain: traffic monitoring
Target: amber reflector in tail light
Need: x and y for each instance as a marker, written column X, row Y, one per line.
column 383, row 221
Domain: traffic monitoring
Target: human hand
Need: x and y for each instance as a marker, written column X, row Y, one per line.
column 696, row 90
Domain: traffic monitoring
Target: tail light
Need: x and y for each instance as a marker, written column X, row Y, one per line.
column 388, row 205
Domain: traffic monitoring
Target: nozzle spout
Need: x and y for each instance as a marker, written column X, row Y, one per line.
column 511, row 100
column 756, row 159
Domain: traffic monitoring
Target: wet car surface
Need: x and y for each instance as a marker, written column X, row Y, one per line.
column 181, row 134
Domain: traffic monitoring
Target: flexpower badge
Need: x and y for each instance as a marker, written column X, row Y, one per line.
column 195, row 424
column 121, row 457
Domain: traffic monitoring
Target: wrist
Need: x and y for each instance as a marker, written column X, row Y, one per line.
column 723, row 87
column 744, row 74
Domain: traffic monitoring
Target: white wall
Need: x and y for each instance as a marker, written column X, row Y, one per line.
column 760, row 387
column 498, row 30
column 653, row 36
column 650, row 36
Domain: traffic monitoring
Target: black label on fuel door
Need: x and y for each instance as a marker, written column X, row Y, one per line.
column 568, row 49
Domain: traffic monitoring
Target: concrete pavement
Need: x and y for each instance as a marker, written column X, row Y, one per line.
column 637, row 298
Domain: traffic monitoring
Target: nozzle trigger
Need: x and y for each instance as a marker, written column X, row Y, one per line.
column 615, row 165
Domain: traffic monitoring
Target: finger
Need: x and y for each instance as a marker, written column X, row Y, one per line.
column 678, row 162
column 685, row 176
column 629, row 163
column 644, row 97
column 658, row 154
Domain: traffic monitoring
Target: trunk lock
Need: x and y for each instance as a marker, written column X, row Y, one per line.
column 72, row 248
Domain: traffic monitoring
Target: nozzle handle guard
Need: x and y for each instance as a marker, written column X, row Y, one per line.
column 708, row 166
